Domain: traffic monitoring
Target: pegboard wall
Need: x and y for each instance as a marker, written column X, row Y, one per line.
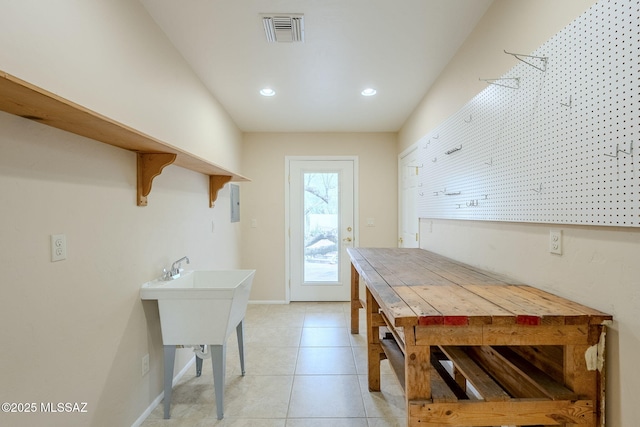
column 554, row 140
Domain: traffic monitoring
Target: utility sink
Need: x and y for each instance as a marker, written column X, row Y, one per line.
column 201, row 308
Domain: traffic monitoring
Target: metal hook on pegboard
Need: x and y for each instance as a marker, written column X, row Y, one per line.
column 493, row 82
column 453, row 150
column 618, row 151
column 567, row 105
column 544, row 60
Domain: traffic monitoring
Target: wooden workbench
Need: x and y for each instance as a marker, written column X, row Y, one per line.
column 472, row 348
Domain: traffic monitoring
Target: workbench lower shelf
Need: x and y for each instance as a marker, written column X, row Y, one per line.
column 520, row 413
column 489, row 386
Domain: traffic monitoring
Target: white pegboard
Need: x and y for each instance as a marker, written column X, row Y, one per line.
column 562, row 147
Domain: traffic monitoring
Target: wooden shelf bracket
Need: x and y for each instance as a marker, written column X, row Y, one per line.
column 216, row 182
column 150, row 165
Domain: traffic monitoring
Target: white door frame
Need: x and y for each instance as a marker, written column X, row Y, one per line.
column 413, row 147
column 287, row 220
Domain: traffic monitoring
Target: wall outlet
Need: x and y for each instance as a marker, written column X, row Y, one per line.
column 555, row 242
column 58, row 247
column 145, row 364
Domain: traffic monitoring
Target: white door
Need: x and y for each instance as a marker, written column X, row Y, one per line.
column 321, row 227
column 409, row 181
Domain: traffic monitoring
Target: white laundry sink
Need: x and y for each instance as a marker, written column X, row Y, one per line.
column 201, row 306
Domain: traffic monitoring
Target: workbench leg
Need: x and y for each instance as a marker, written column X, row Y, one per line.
column 582, row 381
column 374, row 348
column 355, row 301
column 460, row 379
column 417, row 370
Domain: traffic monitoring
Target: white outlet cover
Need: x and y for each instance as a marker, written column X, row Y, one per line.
column 58, row 247
column 145, row 364
column 555, row 242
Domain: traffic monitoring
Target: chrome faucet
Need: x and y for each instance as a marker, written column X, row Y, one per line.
column 174, row 273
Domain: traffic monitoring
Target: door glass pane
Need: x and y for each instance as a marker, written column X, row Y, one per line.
column 321, row 209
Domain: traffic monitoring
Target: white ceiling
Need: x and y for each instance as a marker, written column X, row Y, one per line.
column 396, row 46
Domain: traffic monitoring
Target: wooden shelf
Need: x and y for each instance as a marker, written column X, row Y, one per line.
column 31, row 102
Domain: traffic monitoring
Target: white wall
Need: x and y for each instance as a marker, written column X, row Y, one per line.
column 110, row 57
column 599, row 266
column 76, row 330
column 263, row 198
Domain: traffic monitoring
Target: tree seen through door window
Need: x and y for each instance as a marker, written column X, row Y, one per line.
column 321, row 209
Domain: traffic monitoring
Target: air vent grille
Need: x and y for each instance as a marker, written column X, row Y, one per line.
column 284, row 28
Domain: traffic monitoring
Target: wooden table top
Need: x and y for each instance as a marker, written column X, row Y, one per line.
column 418, row 287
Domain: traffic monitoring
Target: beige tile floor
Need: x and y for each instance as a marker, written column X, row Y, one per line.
column 303, row 369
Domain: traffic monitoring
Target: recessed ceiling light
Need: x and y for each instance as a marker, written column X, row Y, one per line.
column 369, row 92
column 267, row 92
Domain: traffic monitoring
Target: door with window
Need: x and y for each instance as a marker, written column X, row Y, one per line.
column 320, row 228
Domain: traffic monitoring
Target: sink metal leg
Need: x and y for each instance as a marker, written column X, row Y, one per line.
column 199, row 363
column 169, row 361
column 218, row 363
column 240, row 333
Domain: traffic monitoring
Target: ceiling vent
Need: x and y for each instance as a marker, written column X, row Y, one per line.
column 283, row 27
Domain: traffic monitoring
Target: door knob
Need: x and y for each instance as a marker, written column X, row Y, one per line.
column 346, row 239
